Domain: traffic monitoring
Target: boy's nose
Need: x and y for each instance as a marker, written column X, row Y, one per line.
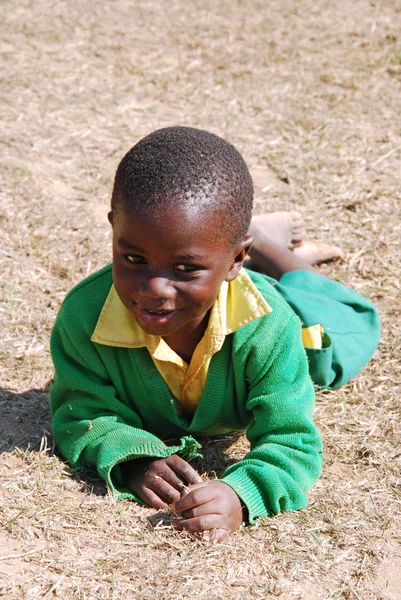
column 156, row 287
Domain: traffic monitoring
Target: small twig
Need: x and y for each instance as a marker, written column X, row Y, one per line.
column 54, row 586
column 5, row 573
column 10, row 556
column 385, row 265
column 384, row 157
column 185, row 488
column 355, row 594
column 6, row 253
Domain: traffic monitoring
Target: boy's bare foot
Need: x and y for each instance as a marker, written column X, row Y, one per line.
column 315, row 253
column 286, row 228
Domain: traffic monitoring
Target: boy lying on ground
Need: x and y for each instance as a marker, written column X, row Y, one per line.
column 177, row 340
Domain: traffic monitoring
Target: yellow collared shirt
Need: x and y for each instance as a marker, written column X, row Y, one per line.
column 238, row 303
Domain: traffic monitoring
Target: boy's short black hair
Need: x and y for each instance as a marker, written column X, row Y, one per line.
column 190, row 168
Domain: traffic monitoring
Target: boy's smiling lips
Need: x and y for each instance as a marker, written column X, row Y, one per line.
column 153, row 316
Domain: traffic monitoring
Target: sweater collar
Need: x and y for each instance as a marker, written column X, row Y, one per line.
column 238, row 303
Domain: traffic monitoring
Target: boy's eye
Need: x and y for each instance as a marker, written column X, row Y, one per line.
column 135, row 260
column 187, row 268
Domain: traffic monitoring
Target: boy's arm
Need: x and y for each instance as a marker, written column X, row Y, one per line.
column 90, row 424
column 286, row 452
column 285, row 456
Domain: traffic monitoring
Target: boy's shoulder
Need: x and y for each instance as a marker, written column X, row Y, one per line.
column 264, row 331
column 267, row 336
column 96, row 282
column 266, row 286
column 86, row 299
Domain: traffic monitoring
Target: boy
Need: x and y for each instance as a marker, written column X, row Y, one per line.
column 178, row 340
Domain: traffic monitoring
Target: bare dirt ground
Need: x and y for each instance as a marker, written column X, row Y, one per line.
column 309, row 91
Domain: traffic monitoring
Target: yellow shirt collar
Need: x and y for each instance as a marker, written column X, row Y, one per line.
column 238, row 303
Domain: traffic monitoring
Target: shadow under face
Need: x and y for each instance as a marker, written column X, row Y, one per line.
column 219, row 453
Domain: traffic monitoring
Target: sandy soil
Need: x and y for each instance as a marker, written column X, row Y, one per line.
column 310, row 94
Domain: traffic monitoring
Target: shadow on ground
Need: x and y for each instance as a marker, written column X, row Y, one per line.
column 25, row 424
column 24, row 419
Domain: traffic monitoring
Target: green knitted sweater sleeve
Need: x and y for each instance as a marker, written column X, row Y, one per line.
column 286, row 452
column 90, row 424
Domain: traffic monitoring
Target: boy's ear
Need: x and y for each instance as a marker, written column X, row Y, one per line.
column 241, row 251
column 110, row 217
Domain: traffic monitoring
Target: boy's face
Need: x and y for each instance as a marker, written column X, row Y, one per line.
column 168, row 269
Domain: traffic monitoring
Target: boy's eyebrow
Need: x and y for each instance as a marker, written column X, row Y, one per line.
column 122, row 242
column 186, row 256
column 190, row 256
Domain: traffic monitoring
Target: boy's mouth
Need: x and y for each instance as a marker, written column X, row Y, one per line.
column 155, row 311
column 155, row 316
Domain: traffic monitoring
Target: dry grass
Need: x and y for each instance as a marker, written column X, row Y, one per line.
column 310, row 93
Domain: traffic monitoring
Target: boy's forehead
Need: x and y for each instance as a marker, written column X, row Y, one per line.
column 165, row 216
column 189, row 233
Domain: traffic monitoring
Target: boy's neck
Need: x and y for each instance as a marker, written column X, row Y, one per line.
column 184, row 341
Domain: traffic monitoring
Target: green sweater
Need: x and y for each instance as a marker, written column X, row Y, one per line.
column 111, row 405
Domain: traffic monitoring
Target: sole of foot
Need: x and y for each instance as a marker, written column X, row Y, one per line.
column 285, row 227
column 316, row 253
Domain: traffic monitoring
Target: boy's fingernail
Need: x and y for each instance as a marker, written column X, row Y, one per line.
column 176, row 523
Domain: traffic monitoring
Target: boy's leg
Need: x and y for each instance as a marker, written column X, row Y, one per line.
column 351, row 323
column 271, row 253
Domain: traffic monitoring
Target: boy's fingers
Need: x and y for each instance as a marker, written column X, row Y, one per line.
column 183, row 469
column 168, row 475
column 163, row 489
column 203, row 523
column 201, row 495
column 215, row 535
column 199, row 511
column 152, row 499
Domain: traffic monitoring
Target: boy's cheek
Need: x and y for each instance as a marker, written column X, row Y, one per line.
column 125, row 280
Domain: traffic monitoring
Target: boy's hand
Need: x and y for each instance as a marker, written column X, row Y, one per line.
column 158, row 482
column 213, row 507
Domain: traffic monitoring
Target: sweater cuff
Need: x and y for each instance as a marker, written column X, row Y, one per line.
column 248, row 493
column 111, row 471
column 253, row 494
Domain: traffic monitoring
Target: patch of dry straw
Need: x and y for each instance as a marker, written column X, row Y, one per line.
column 309, row 92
